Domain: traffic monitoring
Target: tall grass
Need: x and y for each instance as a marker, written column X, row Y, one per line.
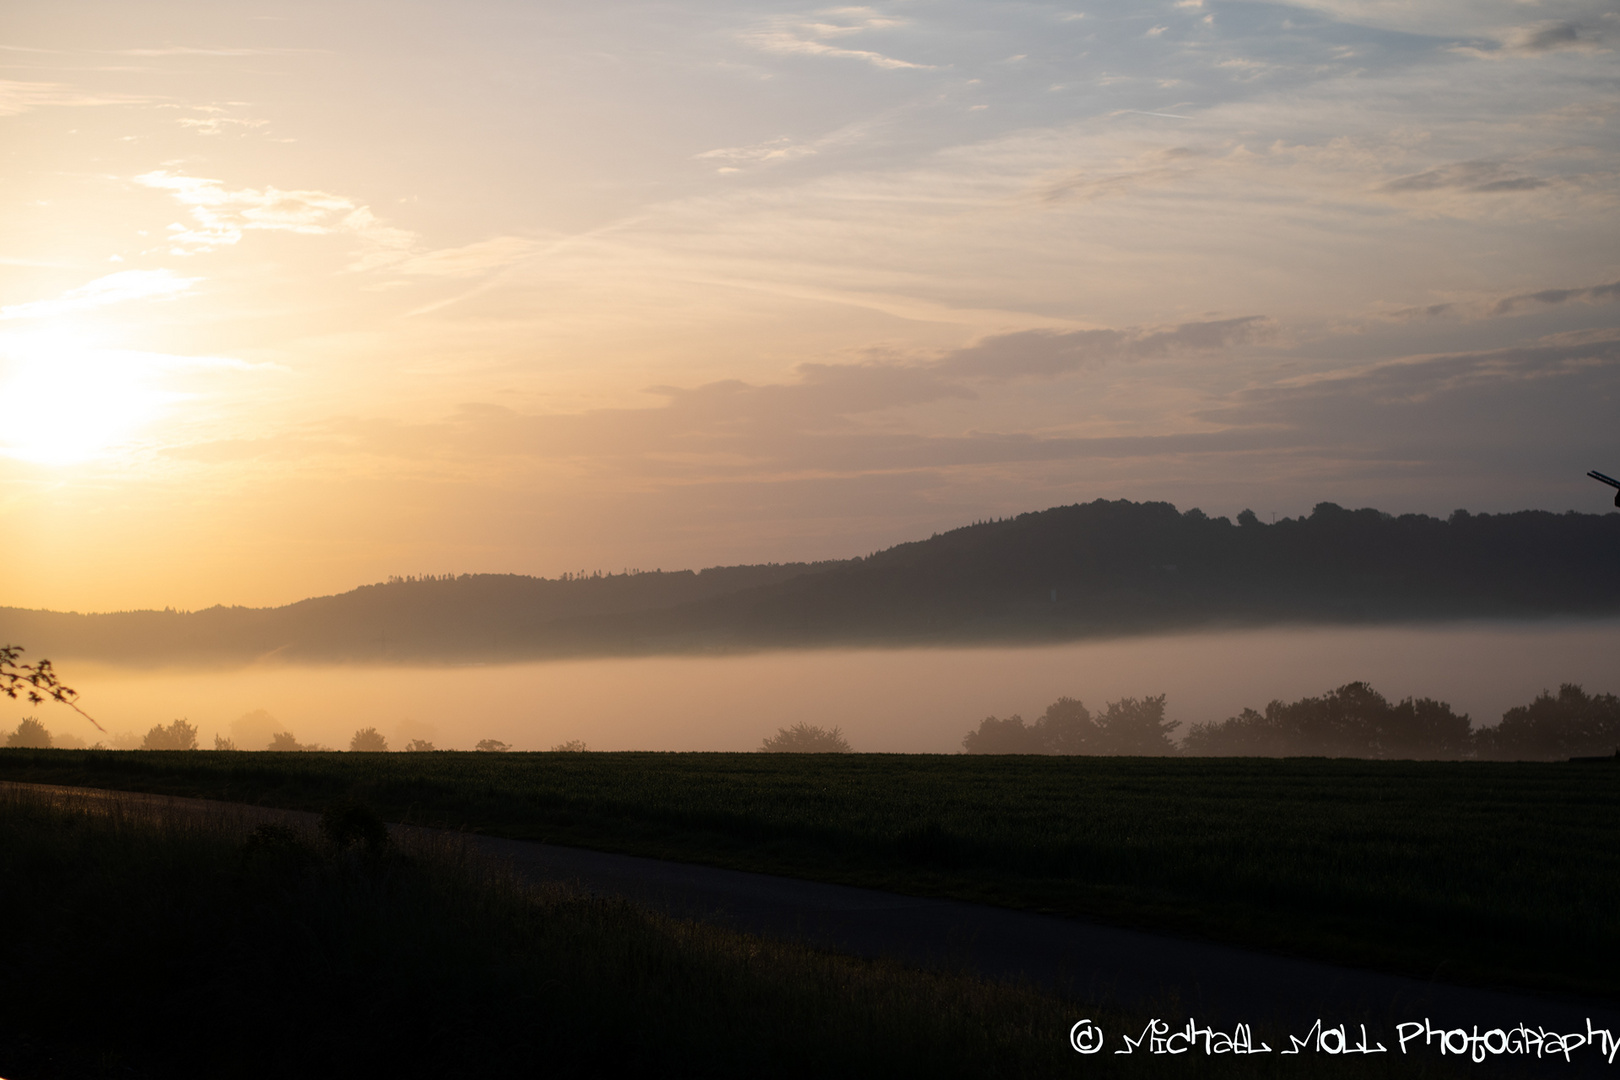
column 1498, row 872
column 139, row 943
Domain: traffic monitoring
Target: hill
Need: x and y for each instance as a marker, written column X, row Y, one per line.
column 1096, row 569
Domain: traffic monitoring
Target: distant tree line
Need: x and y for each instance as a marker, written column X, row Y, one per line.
column 1352, row 721
column 1133, row 726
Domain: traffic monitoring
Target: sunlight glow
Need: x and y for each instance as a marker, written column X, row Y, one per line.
column 71, row 402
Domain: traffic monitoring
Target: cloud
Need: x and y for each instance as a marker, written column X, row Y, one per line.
column 829, row 417
column 1047, row 352
column 775, row 150
column 111, row 289
column 810, row 36
column 1595, row 294
column 1503, row 408
column 21, row 97
column 223, row 216
column 1507, row 305
column 470, row 259
column 1484, row 177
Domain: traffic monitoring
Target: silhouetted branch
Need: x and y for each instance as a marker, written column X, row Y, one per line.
column 35, row 683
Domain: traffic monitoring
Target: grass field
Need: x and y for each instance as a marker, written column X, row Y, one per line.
column 1485, row 872
column 140, row 945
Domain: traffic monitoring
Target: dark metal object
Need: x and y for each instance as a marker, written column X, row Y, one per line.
column 1611, row 481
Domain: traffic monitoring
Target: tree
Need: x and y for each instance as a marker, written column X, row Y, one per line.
column 35, row 683
column 1571, row 724
column 419, row 746
column 1066, row 728
column 1353, row 721
column 368, row 740
column 179, row 735
column 222, row 743
column 1136, row 726
column 803, row 738
column 997, row 736
column 495, row 746
column 31, row 734
column 572, row 746
column 283, row 740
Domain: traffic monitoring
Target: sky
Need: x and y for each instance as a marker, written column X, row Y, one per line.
column 295, row 297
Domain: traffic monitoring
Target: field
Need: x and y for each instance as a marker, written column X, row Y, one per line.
column 1476, row 872
column 140, row 945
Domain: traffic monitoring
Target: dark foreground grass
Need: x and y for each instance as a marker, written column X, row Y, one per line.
column 139, row 945
column 1502, row 873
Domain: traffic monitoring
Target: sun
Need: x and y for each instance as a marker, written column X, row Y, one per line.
column 67, row 401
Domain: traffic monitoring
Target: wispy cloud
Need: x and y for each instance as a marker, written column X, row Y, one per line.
column 1508, row 305
column 1597, row 294
column 814, row 35
column 1482, row 177
column 20, row 97
column 222, row 216
column 111, row 289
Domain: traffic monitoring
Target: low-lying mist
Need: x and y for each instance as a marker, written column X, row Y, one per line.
column 908, row 701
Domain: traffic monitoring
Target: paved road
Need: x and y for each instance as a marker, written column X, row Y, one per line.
column 1171, row 977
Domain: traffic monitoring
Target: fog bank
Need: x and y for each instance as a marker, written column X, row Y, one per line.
column 909, row 701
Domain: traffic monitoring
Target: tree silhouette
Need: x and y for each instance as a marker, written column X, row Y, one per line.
column 1136, row 726
column 803, row 738
column 30, row 733
column 496, row 746
column 179, row 735
column 35, row 683
column 368, row 739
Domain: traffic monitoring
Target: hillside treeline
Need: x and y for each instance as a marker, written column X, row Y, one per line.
column 1096, row 569
column 1352, row 721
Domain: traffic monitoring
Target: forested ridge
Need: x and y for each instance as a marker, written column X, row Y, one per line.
column 1094, row 569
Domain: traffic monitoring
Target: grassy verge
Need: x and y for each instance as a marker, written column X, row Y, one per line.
column 1490, row 872
column 144, row 946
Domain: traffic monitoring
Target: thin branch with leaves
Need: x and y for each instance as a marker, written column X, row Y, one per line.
column 36, row 683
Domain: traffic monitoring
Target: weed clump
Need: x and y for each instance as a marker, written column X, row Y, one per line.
column 348, row 823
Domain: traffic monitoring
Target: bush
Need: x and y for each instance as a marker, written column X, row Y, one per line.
column 803, row 738
column 347, row 823
column 572, row 746
column 179, row 735
column 419, row 746
column 30, row 733
column 368, row 740
column 283, row 740
column 495, row 746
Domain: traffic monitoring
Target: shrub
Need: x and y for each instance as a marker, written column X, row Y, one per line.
column 572, row 746
column 283, row 740
column 30, row 733
column 368, row 740
column 347, row 823
column 179, row 735
column 495, row 746
column 222, row 743
column 803, row 738
column 419, row 746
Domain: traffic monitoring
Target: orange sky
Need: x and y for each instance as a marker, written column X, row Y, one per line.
column 295, row 298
